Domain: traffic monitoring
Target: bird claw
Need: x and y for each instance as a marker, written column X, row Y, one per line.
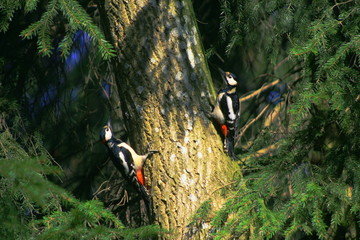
column 124, row 199
column 225, row 146
column 154, row 151
column 151, row 151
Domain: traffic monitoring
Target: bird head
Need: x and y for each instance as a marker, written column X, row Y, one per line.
column 106, row 134
column 229, row 78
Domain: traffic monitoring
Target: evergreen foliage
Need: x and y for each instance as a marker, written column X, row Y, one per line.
column 77, row 19
column 308, row 188
column 202, row 214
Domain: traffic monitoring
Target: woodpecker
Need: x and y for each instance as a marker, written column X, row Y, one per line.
column 226, row 111
column 127, row 161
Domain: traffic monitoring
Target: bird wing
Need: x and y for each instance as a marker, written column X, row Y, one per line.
column 229, row 105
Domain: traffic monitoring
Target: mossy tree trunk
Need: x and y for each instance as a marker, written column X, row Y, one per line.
column 165, row 88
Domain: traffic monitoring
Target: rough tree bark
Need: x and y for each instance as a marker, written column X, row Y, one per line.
column 165, row 88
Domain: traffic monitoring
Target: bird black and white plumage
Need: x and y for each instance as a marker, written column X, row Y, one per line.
column 127, row 161
column 226, row 111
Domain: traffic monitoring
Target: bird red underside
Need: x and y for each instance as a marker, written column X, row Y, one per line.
column 224, row 129
column 140, row 176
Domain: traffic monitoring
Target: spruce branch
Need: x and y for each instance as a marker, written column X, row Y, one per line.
column 44, row 42
column 7, row 10
column 80, row 19
column 30, row 5
column 43, row 23
column 342, row 51
column 41, row 29
column 66, row 43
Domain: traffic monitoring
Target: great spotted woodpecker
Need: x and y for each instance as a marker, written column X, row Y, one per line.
column 226, row 111
column 127, row 161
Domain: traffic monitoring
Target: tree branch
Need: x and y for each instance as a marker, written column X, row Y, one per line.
column 244, row 128
column 261, row 152
column 257, row 92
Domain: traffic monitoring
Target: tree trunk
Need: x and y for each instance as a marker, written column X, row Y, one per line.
column 165, row 88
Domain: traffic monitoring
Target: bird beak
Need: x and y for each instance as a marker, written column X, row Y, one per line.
column 222, row 74
column 109, row 123
column 102, row 136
